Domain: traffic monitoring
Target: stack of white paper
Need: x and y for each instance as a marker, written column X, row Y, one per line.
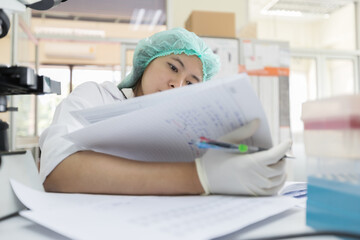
column 85, row 216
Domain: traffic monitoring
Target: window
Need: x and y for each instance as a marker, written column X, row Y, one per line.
column 47, row 103
column 302, row 88
column 339, row 77
column 95, row 74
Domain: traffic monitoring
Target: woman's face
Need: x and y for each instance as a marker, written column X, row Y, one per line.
column 169, row 72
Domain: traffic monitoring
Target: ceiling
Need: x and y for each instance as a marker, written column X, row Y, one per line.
column 105, row 10
column 145, row 11
column 304, row 7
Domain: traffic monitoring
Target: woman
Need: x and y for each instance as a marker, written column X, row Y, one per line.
column 166, row 60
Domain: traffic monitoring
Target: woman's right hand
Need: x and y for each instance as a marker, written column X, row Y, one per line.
column 261, row 173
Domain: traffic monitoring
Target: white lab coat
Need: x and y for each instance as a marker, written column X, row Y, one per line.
column 54, row 148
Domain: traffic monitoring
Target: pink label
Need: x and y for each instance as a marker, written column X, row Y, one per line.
column 352, row 122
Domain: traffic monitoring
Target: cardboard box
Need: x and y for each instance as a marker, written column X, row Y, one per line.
column 211, row 24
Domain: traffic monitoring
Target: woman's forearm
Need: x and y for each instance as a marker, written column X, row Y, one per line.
column 91, row 172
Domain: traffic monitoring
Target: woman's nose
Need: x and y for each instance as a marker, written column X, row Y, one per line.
column 175, row 83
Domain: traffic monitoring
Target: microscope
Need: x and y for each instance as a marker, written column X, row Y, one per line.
column 18, row 80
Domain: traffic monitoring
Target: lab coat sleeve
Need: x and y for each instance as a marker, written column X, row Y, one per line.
column 55, row 148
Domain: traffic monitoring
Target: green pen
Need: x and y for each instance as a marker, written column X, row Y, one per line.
column 206, row 143
column 238, row 148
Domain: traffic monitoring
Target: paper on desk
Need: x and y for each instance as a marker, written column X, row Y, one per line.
column 167, row 129
column 84, row 216
column 296, row 190
column 35, row 200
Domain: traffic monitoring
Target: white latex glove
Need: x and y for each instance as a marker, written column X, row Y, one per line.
column 260, row 173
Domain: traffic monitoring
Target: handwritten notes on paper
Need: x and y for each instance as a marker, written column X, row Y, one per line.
column 163, row 126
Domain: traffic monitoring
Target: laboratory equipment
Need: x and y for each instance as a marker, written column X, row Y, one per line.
column 19, row 165
column 15, row 80
column 7, row 7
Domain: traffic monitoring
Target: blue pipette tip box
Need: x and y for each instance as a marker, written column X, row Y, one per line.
column 333, row 205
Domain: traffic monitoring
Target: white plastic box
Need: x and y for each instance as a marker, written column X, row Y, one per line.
column 332, row 127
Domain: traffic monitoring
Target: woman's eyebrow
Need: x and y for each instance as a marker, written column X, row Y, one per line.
column 196, row 78
column 178, row 60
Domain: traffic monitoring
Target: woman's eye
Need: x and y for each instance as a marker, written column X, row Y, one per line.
column 188, row 83
column 173, row 68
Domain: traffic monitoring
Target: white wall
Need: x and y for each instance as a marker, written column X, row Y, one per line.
column 338, row 32
column 335, row 32
column 298, row 33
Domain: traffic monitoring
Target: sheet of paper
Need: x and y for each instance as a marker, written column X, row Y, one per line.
column 97, row 114
column 228, row 51
column 296, row 190
column 83, row 216
column 166, row 131
column 248, row 48
column 268, row 54
column 35, row 200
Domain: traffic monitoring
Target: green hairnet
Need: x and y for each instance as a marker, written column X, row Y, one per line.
column 174, row 41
